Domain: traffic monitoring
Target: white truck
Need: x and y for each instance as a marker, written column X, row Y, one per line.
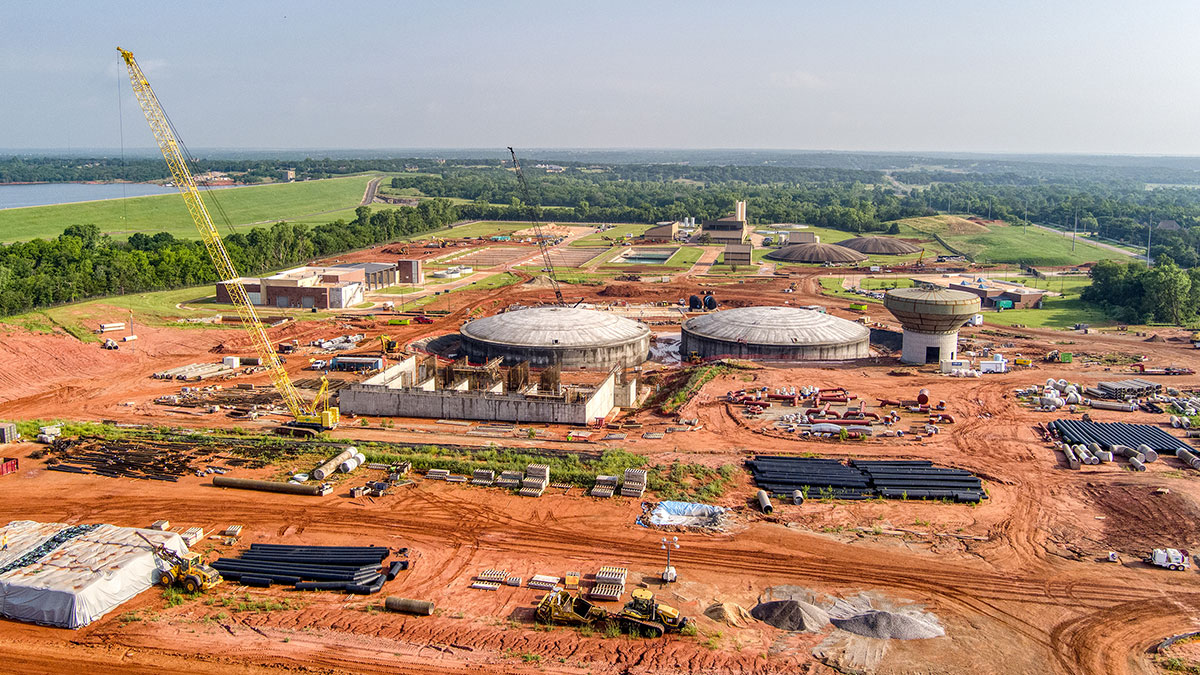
column 1170, row 558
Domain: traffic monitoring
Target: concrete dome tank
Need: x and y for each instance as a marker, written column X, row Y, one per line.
column 931, row 316
column 568, row 336
column 785, row 333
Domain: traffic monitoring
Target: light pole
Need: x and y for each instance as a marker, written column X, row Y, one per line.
column 668, row 574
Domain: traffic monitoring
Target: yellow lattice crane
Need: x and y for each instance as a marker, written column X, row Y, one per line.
column 317, row 416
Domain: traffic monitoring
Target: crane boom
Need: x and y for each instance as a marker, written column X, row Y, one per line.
column 172, row 151
column 537, row 228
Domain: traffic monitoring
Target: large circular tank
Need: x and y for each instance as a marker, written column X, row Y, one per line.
column 880, row 246
column 931, row 316
column 786, row 333
column 816, row 253
column 567, row 336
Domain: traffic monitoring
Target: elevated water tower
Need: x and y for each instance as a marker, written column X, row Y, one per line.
column 931, row 316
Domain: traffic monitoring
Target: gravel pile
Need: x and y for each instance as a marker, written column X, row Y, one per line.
column 794, row 615
column 888, row 625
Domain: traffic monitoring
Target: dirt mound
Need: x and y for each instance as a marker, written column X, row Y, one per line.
column 963, row 226
column 622, row 291
column 791, row 615
column 889, row 625
column 540, row 281
column 728, row 613
column 1154, row 338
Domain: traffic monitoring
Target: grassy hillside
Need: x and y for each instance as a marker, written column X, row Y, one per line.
column 166, row 213
column 1000, row 243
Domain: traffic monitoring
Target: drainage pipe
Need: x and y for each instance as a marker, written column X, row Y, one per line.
column 328, row 468
column 408, row 606
column 266, row 486
column 764, row 502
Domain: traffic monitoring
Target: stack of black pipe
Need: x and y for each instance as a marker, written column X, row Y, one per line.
column 818, row 478
column 1108, row 434
column 863, row 479
column 353, row 569
column 920, row 479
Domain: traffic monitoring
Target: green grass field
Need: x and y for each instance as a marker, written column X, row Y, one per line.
column 618, row 231
column 1009, row 244
column 313, row 202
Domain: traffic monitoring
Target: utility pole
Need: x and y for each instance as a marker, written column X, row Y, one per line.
column 1075, row 233
column 1026, row 229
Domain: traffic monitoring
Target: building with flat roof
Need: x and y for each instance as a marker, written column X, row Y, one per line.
column 739, row 254
column 303, row 287
column 731, row 229
column 375, row 275
column 664, row 231
column 409, row 272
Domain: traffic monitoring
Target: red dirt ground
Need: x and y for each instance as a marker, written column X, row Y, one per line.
column 1015, row 581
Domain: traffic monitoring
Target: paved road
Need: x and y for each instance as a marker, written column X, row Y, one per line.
column 369, row 194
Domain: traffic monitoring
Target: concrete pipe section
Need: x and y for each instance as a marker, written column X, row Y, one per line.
column 567, row 336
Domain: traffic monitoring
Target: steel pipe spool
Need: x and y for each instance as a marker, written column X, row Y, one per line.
column 1137, row 465
column 1072, row 460
column 797, row 497
column 408, row 606
column 266, row 486
column 1151, row 455
column 764, row 502
column 325, row 470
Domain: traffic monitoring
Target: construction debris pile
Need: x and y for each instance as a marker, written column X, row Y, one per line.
column 802, row 478
column 136, row 458
column 361, row 570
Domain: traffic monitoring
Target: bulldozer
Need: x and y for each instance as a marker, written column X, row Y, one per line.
column 185, row 570
column 563, row 609
column 642, row 614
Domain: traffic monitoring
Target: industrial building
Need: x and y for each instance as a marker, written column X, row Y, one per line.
column 662, row 232
column 375, row 275
column 409, row 272
column 565, row 336
column 784, row 333
column 739, row 254
column 931, row 316
column 816, row 253
column 731, row 229
column 880, row 246
column 414, row 387
column 1001, row 294
column 303, row 287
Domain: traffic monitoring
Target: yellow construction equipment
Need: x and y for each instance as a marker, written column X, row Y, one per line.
column 390, row 346
column 187, row 571
column 306, row 418
column 643, row 615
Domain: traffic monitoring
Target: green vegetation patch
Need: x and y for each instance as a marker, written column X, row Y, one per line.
column 120, row 218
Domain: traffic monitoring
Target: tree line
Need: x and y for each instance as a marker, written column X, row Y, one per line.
column 1134, row 293
column 83, row 263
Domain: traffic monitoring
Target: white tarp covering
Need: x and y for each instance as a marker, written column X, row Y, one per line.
column 686, row 514
column 81, row 580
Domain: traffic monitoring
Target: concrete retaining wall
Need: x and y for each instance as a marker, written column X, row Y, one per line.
column 374, row 399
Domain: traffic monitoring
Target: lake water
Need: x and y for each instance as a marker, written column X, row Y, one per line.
column 14, row 196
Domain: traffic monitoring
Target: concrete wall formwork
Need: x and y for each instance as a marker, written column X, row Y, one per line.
column 382, row 400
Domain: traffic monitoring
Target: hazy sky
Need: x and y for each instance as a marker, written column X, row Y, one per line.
column 1043, row 76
